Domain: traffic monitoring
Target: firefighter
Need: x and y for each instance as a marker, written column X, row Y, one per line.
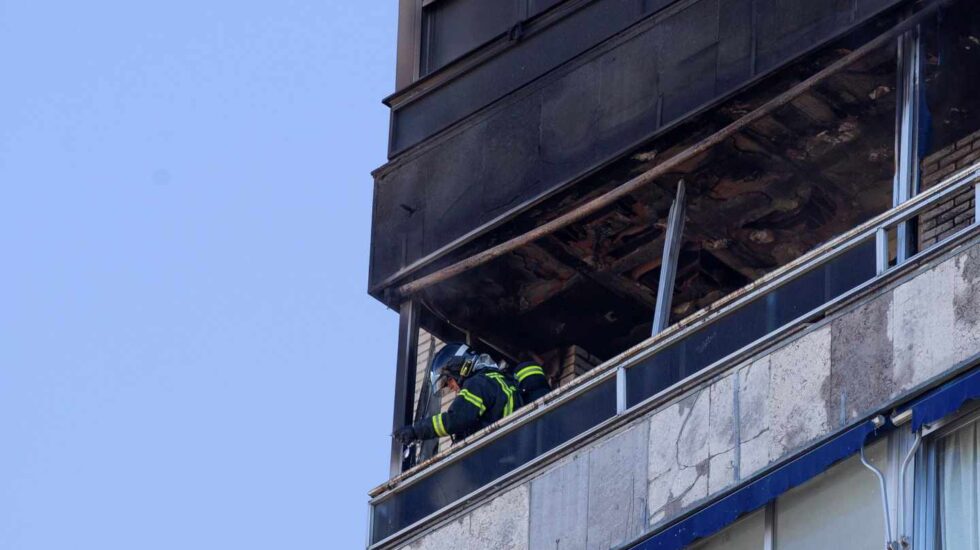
column 531, row 381
column 484, row 394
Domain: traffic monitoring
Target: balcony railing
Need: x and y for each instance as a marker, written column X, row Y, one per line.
column 681, row 357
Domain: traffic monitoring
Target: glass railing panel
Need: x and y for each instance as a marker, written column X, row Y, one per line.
column 493, row 460
column 750, row 322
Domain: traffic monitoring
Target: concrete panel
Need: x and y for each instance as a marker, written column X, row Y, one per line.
column 861, row 359
column 787, row 411
column 966, row 301
column 921, row 327
column 753, row 393
column 721, row 434
column 560, row 505
column 501, row 523
column 800, row 376
column 446, row 537
column 618, row 488
column 679, row 459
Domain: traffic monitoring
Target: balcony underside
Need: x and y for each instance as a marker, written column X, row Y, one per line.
column 758, row 200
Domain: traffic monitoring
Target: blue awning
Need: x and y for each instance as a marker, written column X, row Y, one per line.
column 945, row 400
column 717, row 516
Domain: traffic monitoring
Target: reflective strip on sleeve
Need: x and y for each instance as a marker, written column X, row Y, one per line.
column 528, row 371
column 474, row 400
column 437, row 425
column 507, row 389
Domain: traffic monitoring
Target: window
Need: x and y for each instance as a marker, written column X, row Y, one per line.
column 451, row 28
column 959, row 488
column 949, row 489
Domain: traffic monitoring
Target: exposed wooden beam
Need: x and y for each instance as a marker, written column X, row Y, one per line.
column 613, row 282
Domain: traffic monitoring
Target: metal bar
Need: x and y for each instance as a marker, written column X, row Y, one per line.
column 769, row 539
column 663, row 168
column 620, row 390
column 775, row 279
column 907, row 134
column 881, row 250
column 976, row 200
column 884, row 496
column 903, row 504
column 408, row 340
column 668, row 265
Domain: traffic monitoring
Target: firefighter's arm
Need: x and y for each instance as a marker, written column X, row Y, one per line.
column 463, row 415
column 530, row 373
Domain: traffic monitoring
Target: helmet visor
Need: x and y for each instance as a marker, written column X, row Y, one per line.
column 438, row 380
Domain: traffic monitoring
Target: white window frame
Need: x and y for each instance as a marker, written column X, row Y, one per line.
column 926, row 477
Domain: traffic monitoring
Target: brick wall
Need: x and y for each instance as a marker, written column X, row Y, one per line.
column 428, row 346
column 575, row 362
column 958, row 211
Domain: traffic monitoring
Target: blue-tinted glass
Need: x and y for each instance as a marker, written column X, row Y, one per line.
column 494, row 460
column 750, row 322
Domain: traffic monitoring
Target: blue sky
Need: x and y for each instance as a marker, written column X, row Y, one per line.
column 188, row 356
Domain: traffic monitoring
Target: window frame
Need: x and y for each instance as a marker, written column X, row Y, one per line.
column 925, row 504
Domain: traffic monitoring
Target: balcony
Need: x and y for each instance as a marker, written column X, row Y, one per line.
column 836, row 285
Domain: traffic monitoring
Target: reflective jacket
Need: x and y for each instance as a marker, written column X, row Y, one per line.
column 486, row 396
column 531, row 381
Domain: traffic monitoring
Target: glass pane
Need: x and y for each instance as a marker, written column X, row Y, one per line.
column 494, row 460
column 751, row 322
column 839, row 509
column 746, row 534
column 959, row 489
column 451, row 28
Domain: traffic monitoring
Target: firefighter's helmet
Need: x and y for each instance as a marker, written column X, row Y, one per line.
column 454, row 361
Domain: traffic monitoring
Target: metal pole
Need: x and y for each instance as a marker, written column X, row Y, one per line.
column 408, row 341
column 769, row 538
column 976, row 201
column 881, row 250
column 668, row 266
column 907, row 177
column 620, row 390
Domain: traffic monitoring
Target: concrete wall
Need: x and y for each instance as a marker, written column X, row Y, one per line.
column 747, row 419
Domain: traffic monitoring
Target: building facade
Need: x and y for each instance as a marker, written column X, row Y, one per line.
column 740, row 236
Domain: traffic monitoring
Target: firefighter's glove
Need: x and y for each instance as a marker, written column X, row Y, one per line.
column 405, row 435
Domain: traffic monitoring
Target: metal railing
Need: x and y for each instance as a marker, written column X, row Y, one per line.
column 665, row 365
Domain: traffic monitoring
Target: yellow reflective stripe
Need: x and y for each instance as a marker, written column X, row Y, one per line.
column 474, row 400
column 508, row 391
column 528, row 371
column 437, row 425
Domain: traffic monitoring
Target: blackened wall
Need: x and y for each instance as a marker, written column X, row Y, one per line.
column 587, row 112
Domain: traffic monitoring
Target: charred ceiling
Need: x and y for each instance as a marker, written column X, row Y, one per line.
column 804, row 173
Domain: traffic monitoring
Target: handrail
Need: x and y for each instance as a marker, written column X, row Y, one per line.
column 690, row 326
